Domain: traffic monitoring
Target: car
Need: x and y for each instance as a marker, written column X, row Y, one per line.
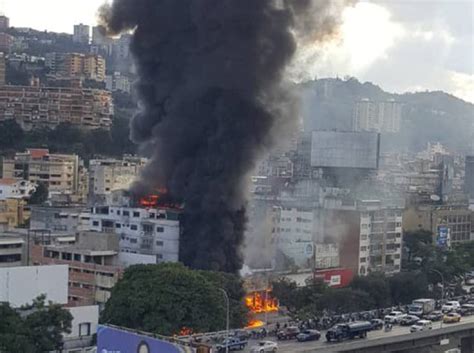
column 288, row 333
column 377, row 324
column 244, row 335
column 409, row 320
column 434, row 316
column 450, row 306
column 308, row 335
column 421, row 325
column 231, row 344
column 466, row 310
column 469, row 281
column 394, row 317
column 452, row 317
column 265, row 346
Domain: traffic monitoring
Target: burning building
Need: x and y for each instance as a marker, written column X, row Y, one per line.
column 213, row 96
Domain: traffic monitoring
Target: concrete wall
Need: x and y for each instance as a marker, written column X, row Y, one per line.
column 83, row 315
column 20, row 285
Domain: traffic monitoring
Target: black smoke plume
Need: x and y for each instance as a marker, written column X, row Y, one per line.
column 211, row 95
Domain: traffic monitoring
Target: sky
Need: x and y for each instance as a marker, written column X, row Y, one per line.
column 401, row 45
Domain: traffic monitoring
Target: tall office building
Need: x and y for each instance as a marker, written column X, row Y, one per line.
column 81, row 34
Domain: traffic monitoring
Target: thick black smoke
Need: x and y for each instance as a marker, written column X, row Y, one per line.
column 210, row 89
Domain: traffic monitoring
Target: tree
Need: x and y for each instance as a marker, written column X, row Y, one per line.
column 406, row 286
column 11, row 134
column 39, row 329
column 418, row 243
column 345, row 300
column 166, row 298
column 376, row 285
column 40, row 195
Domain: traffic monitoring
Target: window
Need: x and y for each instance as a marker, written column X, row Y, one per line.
column 126, row 213
column 133, row 227
column 136, row 214
column 363, row 248
column 159, row 256
column 118, row 225
column 159, row 243
column 84, row 329
column 147, row 228
column 160, row 229
column 77, row 257
column 133, row 241
column 362, row 259
column 95, row 223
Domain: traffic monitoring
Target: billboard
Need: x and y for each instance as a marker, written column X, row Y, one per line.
column 337, row 149
column 20, row 285
column 115, row 340
column 443, row 237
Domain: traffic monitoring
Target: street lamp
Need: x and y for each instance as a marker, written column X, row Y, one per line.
column 442, row 291
column 226, row 296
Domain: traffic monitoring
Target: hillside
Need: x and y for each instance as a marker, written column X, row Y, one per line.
column 426, row 117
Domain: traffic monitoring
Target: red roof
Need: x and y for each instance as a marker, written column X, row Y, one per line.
column 37, row 153
column 7, row 181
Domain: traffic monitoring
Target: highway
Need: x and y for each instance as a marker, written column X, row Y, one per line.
column 294, row 346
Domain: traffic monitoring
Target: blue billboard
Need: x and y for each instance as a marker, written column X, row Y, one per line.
column 115, row 340
column 443, row 237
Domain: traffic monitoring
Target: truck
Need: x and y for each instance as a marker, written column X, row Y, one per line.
column 351, row 330
column 233, row 343
column 420, row 307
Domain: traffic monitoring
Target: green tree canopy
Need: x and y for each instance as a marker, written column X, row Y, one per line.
column 40, row 195
column 377, row 286
column 39, row 329
column 167, row 297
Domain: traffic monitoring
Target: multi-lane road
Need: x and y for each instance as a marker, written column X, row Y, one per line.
column 294, row 346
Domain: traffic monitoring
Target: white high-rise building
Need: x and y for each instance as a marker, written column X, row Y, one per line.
column 383, row 116
column 81, row 34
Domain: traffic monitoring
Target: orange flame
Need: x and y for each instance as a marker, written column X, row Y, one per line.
column 185, row 331
column 255, row 324
column 261, row 302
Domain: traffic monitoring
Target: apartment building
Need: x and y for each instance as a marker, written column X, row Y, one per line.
column 380, row 237
column 12, row 213
column 383, row 116
column 59, row 219
column 118, row 82
column 12, row 251
column 58, row 171
column 149, row 231
column 81, row 34
column 34, row 107
column 93, row 265
column 16, row 189
column 454, row 219
column 76, row 65
column 108, row 175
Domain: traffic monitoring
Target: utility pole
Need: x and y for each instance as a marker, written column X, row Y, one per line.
column 442, row 292
column 226, row 296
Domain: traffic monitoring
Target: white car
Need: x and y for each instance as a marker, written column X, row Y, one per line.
column 450, row 306
column 264, row 346
column 421, row 325
column 394, row 317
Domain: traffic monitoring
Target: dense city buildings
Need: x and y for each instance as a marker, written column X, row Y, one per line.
column 4, row 23
column 76, row 65
column 118, row 82
column 469, row 177
column 58, row 171
column 36, row 107
column 16, row 189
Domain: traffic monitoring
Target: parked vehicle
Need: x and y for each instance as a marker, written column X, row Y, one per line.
column 244, row 335
column 466, row 310
column 434, row 316
column 288, row 333
column 409, row 320
column 308, row 335
column 265, row 346
column 233, row 343
column 450, row 306
column 421, row 325
column 394, row 317
column 377, row 324
column 420, row 307
column 451, row 317
column 469, row 281
column 351, row 330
